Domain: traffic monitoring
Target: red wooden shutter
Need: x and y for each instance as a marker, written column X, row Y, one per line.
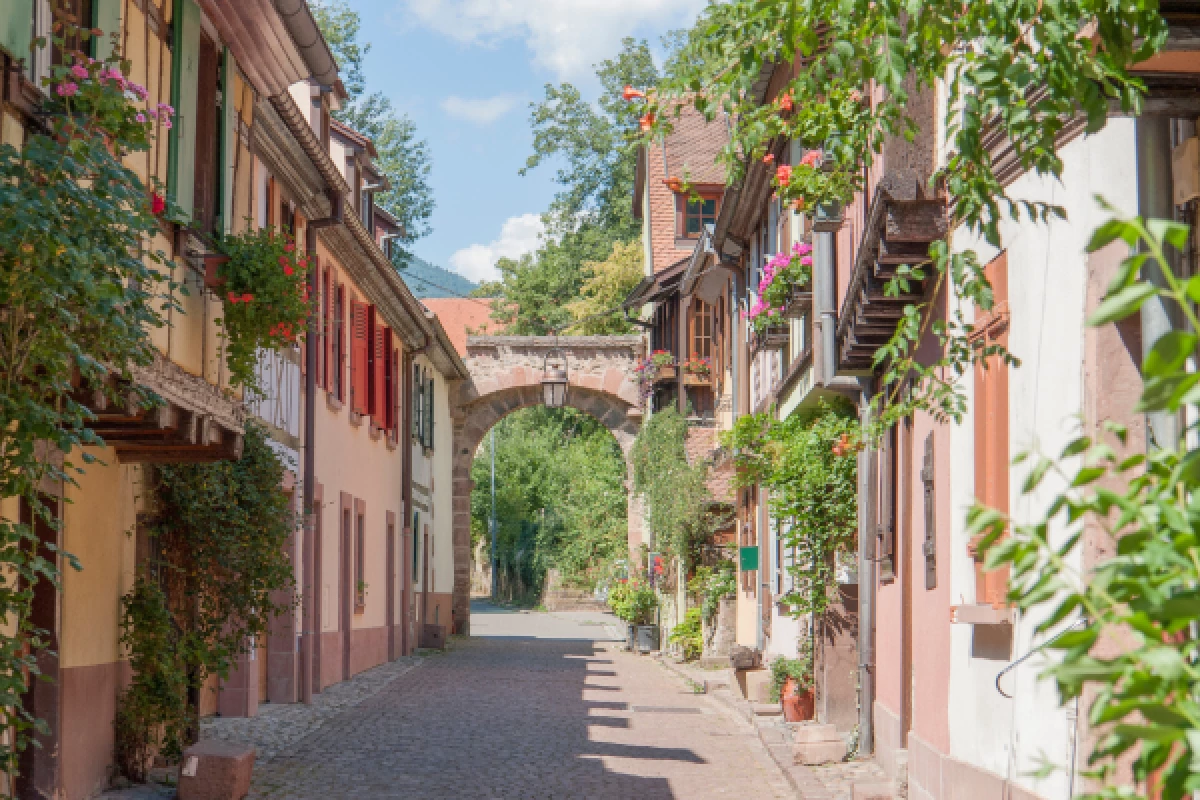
column 372, row 362
column 381, row 361
column 358, row 358
column 327, row 323
column 389, row 381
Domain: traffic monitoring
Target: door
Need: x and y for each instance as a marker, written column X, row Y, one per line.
column 425, row 577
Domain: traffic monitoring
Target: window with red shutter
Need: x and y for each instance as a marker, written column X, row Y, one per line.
column 372, row 364
column 389, row 382
column 321, row 336
column 380, row 374
column 358, row 357
column 339, row 344
column 327, row 323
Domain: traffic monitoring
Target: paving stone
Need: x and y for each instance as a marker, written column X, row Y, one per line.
column 548, row 707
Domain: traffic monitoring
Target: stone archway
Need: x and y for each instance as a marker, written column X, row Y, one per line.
column 506, row 374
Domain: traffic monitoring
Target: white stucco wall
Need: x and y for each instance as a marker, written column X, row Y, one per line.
column 1047, row 269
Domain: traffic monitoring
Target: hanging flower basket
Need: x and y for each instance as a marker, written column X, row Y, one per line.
column 263, row 281
column 212, row 266
column 783, row 274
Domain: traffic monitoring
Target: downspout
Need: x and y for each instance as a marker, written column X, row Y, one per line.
column 308, row 596
column 1154, row 185
column 866, row 581
column 825, row 284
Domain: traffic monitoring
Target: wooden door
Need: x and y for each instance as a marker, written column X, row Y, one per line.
column 347, row 596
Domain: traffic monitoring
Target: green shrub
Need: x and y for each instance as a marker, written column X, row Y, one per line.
column 633, row 601
column 689, row 635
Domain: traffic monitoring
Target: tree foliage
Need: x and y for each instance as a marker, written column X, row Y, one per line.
column 596, row 147
column 679, row 507
column 403, row 157
column 609, row 282
column 560, row 495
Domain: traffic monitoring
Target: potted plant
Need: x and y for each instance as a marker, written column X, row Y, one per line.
column 634, row 601
column 663, row 363
column 697, row 371
column 792, row 686
column 783, row 272
column 263, row 284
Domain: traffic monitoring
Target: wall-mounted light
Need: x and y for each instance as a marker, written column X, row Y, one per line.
column 554, row 380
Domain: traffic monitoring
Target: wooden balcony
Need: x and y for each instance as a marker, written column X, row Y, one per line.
column 196, row 421
column 897, row 233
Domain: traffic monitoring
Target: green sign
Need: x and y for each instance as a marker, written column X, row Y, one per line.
column 749, row 559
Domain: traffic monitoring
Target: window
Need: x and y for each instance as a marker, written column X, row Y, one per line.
column 207, row 188
column 427, row 416
column 339, row 344
column 991, row 428
column 360, row 564
column 416, row 546
column 79, row 13
column 358, row 358
column 702, row 330
column 418, row 403
column 324, row 374
column 886, row 531
column 389, row 382
column 692, row 215
column 372, row 364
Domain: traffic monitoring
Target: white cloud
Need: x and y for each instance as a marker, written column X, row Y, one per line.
column 519, row 235
column 566, row 36
column 484, row 111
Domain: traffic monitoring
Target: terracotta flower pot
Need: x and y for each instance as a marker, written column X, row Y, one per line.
column 798, row 706
column 212, row 263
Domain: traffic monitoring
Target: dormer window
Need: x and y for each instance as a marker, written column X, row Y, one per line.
column 692, row 215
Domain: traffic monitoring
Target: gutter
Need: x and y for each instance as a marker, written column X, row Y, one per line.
column 301, row 26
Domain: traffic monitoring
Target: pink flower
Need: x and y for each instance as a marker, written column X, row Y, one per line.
column 166, row 123
column 140, row 117
column 79, row 71
column 855, row 95
column 769, row 158
column 153, row 114
column 165, row 109
column 289, row 247
column 67, row 89
column 785, row 103
column 806, row 261
column 138, row 90
column 801, row 248
column 783, row 174
column 811, row 158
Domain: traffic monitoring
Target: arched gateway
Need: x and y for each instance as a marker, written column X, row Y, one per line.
column 506, row 374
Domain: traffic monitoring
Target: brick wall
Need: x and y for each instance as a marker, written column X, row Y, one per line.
column 661, row 209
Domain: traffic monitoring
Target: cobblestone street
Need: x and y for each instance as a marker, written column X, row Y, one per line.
column 535, row 705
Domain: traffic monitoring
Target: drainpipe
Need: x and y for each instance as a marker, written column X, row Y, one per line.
column 866, row 582
column 825, row 286
column 308, row 596
column 1154, row 183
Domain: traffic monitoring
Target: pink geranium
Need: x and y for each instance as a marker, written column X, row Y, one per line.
column 67, row 89
column 79, row 71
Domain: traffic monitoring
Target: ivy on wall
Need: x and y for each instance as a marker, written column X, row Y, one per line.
column 807, row 464
column 208, row 593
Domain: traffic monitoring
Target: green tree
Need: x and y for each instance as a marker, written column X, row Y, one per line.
column 596, row 147
column 560, row 496
column 403, row 157
column 608, row 284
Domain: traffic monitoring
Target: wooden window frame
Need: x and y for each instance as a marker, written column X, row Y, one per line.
column 372, row 364
column 887, row 516
column 992, row 406
column 683, row 213
column 207, row 191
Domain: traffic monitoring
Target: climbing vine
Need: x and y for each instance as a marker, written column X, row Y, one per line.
column 679, row 508
column 1016, row 70
column 81, row 287
column 220, row 532
column 807, row 464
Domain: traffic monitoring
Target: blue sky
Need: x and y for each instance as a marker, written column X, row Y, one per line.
column 465, row 71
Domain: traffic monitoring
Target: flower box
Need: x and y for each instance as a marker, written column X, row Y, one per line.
column 799, row 303
column 212, row 266
column 697, row 379
column 665, row 373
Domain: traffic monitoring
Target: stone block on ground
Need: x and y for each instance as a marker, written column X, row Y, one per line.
column 812, row 753
column 216, row 770
column 755, row 684
column 810, row 733
column 767, row 710
column 873, row 791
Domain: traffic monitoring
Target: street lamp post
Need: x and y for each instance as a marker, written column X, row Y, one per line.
column 495, row 577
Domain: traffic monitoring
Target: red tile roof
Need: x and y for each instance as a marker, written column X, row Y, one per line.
column 457, row 314
column 693, row 146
